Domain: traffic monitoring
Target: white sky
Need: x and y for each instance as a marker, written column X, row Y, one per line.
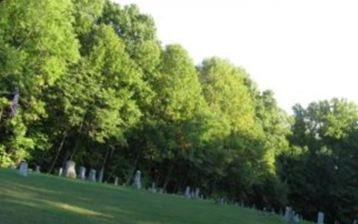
column 304, row 50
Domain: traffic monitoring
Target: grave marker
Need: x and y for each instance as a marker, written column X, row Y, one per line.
column 60, row 171
column 70, row 169
column 92, row 175
column 24, row 169
column 82, row 173
column 100, row 176
column 288, row 214
column 116, row 181
column 197, row 193
column 137, row 180
column 187, row 192
column 320, row 218
column 153, row 189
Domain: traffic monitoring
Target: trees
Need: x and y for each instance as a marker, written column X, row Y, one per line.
column 37, row 47
column 96, row 86
column 320, row 168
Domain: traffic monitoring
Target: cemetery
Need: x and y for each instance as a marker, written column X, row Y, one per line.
column 26, row 194
column 30, row 197
column 103, row 121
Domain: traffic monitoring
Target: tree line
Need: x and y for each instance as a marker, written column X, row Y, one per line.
column 89, row 81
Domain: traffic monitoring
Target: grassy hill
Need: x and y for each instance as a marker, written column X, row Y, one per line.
column 41, row 198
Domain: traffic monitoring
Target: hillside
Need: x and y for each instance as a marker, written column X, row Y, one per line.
column 41, row 198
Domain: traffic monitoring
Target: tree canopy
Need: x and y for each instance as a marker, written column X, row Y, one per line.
column 89, row 81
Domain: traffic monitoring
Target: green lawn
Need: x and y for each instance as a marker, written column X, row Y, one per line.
column 41, row 198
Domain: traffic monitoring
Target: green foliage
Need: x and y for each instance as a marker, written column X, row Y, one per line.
column 324, row 139
column 86, row 12
column 222, row 81
column 37, row 46
column 97, row 87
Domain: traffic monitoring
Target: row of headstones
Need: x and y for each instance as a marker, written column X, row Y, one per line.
column 24, row 169
column 154, row 189
column 193, row 193
column 290, row 215
column 70, row 171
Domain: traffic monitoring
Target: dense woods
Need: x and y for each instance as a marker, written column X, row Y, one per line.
column 89, row 81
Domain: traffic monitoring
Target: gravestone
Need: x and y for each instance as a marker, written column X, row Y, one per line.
column 273, row 211
column 137, row 180
column 92, row 175
column 37, row 169
column 24, row 169
column 320, row 218
column 82, row 173
column 197, row 193
column 116, row 181
column 100, row 176
column 60, row 171
column 70, row 169
column 192, row 194
column 355, row 221
column 296, row 218
column 288, row 214
column 153, row 189
column 222, row 201
column 187, row 192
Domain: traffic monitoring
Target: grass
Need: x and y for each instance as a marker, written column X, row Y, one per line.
column 41, row 198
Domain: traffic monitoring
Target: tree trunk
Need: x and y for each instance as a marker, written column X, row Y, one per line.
column 77, row 141
column 133, row 169
column 58, row 151
column 167, row 178
column 104, row 163
column 107, row 161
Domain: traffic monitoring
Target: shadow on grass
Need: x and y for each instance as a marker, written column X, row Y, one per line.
column 41, row 199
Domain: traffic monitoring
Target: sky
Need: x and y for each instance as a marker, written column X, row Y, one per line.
column 303, row 50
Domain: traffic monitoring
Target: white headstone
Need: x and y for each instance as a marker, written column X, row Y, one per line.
column 192, row 194
column 24, row 169
column 137, row 180
column 296, row 218
column 60, row 171
column 320, row 218
column 153, row 189
column 37, row 169
column 222, row 201
column 116, row 181
column 70, row 169
column 197, row 193
column 82, row 173
column 273, row 211
column 288, row 214
column 187, row 192
column 100, row 176
column 92, row 175
column 355, row 221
